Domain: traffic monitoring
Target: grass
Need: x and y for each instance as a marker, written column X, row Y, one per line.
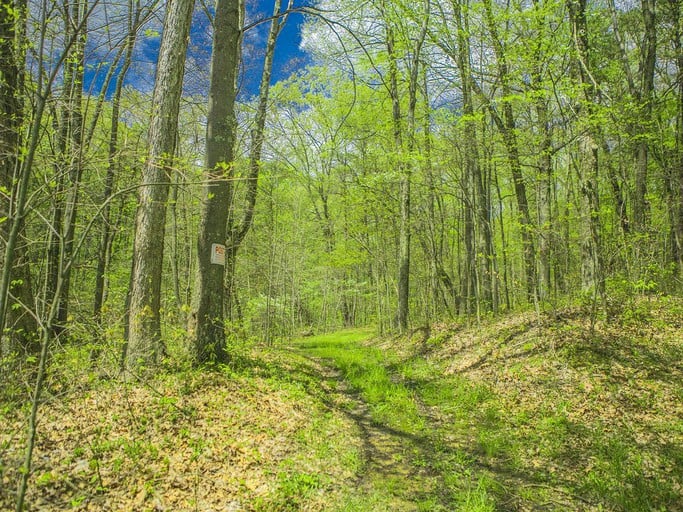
column 528, row 413
column 520, row 413
column 426, row 473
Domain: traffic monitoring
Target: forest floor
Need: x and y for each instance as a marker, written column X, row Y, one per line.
column 524, row 412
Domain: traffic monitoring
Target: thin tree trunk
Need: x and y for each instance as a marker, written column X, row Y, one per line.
column 478, row 273
column 435, row 227
column 588, row 166
column 545, row 185
column 112, row 167
column 24, row 167
column 647, row 87
column 405, row 168
column 679, row 142
column 404, row 185
column 677, row 180
column 507, row 127
column 237, row 232
column 22, row 326
column 75, row 168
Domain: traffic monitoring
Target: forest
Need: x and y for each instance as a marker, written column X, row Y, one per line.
column 182, row 193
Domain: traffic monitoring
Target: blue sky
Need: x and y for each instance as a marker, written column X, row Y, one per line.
column 288, row 56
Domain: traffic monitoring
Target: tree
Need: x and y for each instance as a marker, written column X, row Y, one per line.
column 144, row 344
column 588, row 165
column 477, row 276
column 68, row 160
column 237, row 231
column 215, row 293
column 676, row 179
column 21, row 324
column 206, row 322
column 413, row 67
column 640, row 87
column 136, row 18
column 508, row 128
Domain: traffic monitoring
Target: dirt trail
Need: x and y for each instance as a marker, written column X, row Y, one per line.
column 387, row 453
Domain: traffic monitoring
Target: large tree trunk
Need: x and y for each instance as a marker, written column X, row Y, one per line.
column 144, row 334
column 206, row 321
column 22, row 327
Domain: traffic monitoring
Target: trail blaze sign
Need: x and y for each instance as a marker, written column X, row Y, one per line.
column 218, row 254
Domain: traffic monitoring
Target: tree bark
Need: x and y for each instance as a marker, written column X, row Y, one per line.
column 76, row 63
column 479, row 253
column 144, row 334
column 106, row 233
column 402, row 310
column 677, row 178
column 22, row 327
column 507, row 127
column 546, row 233
column 207, row 321
column 405, row 168
column 237, row 232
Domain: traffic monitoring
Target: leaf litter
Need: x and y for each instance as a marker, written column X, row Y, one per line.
column 553, row 414
column 195, row 441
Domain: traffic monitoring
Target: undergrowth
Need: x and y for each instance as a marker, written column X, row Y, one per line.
column 532, row 411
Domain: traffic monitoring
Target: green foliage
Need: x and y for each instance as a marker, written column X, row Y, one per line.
column 323, row 251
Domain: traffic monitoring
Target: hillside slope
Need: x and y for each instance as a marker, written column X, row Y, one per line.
column 563, row 415
column 526, row 412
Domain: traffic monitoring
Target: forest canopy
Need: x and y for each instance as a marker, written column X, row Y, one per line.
column 424, row 161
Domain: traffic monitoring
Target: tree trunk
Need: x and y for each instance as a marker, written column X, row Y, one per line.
column 68, row 161
column 507, row 127
column 674, row 174
column 402, row 310
column 680, row 147
column 647, row 87
column 405, row 168
column 22, row 327
column 144, row 335
column 545, row 185
column 75, row 167
column 237, row 232
column 206, row 321
column 478, row 276
column 106, row 233
column 443, row 290
column 593, row 272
